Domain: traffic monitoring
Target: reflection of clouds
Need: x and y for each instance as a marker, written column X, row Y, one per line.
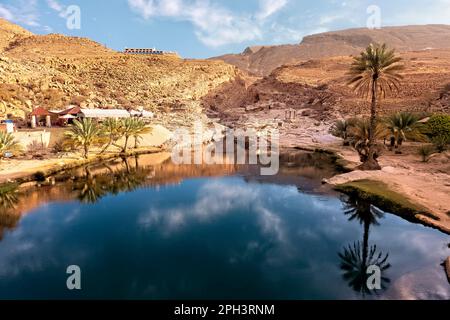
column 271, row 223
column 31, row 248
column 216, row 199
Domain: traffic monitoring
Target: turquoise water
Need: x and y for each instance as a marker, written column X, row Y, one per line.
column 228, row 236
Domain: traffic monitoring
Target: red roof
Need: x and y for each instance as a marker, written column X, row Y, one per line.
column 72, row 111
column 40, row 111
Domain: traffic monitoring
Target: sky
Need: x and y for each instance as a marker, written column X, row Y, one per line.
column 206, row 28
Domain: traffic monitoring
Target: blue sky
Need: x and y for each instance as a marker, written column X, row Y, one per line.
column 205, row 28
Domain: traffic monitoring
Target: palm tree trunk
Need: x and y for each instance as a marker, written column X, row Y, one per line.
column 125, row 147
column 86, row 151
column 365, row 248
column 371, row 163
column 106, row 147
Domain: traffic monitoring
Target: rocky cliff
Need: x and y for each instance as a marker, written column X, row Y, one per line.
column 262, row 60
column 55, row 71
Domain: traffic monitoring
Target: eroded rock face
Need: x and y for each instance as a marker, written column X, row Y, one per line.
column 262, row 60
column 55, row 71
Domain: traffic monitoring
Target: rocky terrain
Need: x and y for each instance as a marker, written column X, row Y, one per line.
column 317, row 92
column 55, row 71
column 301, row 98
column 262, row 60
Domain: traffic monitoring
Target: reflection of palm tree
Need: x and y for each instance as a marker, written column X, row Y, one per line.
column 93, row 188
column 90, row 190
column 8, row 198
column 357, row 258
column 8, row 201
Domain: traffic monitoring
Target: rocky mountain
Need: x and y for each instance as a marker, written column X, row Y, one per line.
column 316, row 92
column 55, row 71
column 262, row 60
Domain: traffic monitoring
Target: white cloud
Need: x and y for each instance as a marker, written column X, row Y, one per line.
column 24, row 12
column 5, row 13
column 270, row 7
column 55, row 5
column 58, row 7
column 215, row 25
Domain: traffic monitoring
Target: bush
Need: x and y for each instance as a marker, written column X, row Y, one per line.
column 441, row 142
column 39, row 176
column 439, row 131
column 425, row 152
column 439, row 125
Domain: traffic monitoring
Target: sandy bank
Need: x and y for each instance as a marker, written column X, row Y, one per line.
column 425, row 185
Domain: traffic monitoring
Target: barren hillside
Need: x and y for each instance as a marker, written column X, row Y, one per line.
column 317, row 90
column 55, row 71
column 262, row 60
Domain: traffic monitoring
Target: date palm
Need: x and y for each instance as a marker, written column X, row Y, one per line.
column 140, row 128
column 8, row 144
column 133, row 127
column 127, row 131
column 342, row 128
column 85, row 134
column 404, row 125
column 374, row 74
column 112, row 130
column 360, row 138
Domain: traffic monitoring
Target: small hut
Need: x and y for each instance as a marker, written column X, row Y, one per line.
column 41, row 116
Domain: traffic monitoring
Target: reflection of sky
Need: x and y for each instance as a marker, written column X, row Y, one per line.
column 206, row 238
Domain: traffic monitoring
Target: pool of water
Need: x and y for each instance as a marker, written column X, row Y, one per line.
column 161, row 231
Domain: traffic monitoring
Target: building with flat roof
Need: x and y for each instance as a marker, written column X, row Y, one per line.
column 147, row 51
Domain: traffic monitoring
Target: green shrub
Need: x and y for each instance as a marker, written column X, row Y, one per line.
column 441, row 142
column 425, row 152
column 439, row 125
column 439, row 131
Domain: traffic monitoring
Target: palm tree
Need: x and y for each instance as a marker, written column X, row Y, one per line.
column 373, row 74
column 127, row 131
column 133, row 127
column 357, row 258
column 112, row 130
column 85, row 134
column 341, row 129
column 360, row 138
column 140, row 128
column 8, row 144
column 404, row 125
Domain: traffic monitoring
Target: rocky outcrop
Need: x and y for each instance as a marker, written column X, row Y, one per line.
column 55, row 71
column 262, row 60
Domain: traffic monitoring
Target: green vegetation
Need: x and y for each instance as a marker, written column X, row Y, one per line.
column 111, row 129
column 373, row 74
column 425, row 152
column 87, row 133
column 380, row 195
column 360, row 137
column 439, row 131
column 341, row 129
column 8, row 144
column 404, row 126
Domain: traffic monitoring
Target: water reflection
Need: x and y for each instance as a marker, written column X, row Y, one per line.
column 356, row 258
column 8, row 202
column 91, row 188
column 214, row 232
